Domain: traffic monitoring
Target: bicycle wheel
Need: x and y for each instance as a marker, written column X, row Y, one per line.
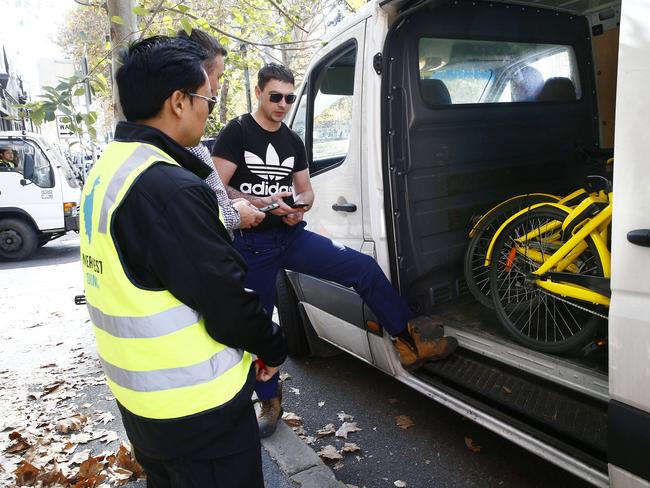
column 477, row 275
column 531, row 315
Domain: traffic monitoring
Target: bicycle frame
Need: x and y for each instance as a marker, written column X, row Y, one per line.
column 597, row 228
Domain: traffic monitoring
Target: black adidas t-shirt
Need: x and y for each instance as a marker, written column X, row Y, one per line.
column 265, row 160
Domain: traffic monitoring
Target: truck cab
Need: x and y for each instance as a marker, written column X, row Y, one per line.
column 39, row 195
column 418, row 116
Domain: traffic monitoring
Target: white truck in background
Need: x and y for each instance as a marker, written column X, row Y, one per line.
column 39, row 195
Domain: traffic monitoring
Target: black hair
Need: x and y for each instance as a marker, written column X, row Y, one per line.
column 153, row 69
column 210, row 43
column 274, row 71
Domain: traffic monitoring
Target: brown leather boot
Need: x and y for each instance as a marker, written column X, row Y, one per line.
column 429, row 343
column 271, row 411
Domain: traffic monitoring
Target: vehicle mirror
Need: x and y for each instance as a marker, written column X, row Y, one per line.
column 28, row 167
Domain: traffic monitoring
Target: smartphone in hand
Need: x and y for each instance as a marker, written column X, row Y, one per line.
column 268, row 208
column 298, row 205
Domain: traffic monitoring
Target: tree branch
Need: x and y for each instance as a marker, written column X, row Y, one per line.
column 287, row 16
column 251, row 43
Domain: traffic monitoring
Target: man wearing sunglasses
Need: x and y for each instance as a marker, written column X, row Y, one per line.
column 260, row 158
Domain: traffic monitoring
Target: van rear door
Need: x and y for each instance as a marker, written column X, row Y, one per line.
column 629, row 321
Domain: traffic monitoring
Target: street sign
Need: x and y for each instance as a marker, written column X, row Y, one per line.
column 63, row 128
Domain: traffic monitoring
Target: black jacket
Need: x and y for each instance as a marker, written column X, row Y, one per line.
column 169, row 237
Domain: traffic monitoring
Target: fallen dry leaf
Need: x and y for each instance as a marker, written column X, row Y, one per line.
column 507, row 390
column 346, row 428
column 52, row 387
column 400, row 484
column 350, row 447
column 299, row 430
column 404, row 421
column 80, row 457
column 291, row 419
column 469, row 442
column 343, row 417
column 338, row 466
column 320, row 404
column 330, row 453
column 71, row 424
column 109, row 437
column 285, row 376
column 327, row 430
column 89, row 468
column 126, row 460
column 104, row 417
column 19, row 445
column 26, row 474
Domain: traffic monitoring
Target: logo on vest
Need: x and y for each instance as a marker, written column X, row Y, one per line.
column 88, row 211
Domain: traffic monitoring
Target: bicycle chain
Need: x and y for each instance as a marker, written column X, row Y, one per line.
column 584, row 309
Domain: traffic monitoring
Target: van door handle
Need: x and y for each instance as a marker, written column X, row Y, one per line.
column 639, row 237
column 344, row 207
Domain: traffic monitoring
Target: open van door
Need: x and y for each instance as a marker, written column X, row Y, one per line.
column 629, row 319
column 326, row 118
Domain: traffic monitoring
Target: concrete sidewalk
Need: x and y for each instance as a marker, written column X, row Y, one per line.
column 298, row 462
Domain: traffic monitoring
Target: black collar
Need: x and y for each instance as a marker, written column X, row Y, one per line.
column 134, row 132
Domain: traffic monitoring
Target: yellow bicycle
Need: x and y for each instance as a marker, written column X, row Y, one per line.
column 549, row 272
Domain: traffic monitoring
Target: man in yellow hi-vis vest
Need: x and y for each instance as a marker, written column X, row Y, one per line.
column 175, row 327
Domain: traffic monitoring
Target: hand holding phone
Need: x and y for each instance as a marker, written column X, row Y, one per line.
column 268, row 208
column 298, row 205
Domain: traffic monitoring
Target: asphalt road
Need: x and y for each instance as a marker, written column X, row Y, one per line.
column 432, row 453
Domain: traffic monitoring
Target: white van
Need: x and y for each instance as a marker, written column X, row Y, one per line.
column 419, row 115
column 39, row 195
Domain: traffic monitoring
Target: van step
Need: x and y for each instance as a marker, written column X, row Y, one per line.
column 576, row 418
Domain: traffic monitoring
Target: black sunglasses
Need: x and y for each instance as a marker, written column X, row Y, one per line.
column 212, row 101
column 277, row 98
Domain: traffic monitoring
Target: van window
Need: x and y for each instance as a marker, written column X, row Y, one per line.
column 461, row 71
column 328, row 117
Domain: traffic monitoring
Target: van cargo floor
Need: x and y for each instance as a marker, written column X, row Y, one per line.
column 576, row 419
column 477, row 329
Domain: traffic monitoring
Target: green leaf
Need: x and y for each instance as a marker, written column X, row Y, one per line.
column 50, row 116
column 183, row 8
column 116, row 19
column 79, row 91
column 140, row 11
column 187, row 26
column 107, row 46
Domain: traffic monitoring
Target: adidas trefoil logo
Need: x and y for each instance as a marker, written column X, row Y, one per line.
column 273, row 169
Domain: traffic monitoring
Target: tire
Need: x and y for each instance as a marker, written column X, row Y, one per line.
column 290, row 319
column 536, row 318
column 18, row 240
column 477, row 275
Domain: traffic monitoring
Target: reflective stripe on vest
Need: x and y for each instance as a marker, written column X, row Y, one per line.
column 158, row 357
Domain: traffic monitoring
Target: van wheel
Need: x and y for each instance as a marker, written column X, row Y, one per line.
column 290, row 320
column 17, row 240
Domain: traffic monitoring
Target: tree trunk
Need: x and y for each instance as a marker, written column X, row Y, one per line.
column 223, row 102
column 121, row 35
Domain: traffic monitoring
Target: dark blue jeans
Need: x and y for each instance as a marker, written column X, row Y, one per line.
column 297, row 249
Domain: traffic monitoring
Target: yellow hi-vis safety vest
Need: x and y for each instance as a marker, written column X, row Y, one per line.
column 159, row 360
